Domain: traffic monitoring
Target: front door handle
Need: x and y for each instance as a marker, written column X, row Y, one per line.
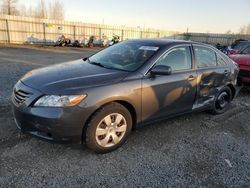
column 191, row 78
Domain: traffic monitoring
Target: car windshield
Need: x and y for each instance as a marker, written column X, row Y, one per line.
column 125, row 56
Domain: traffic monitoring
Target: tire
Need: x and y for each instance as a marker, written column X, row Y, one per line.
column 108, row 128
column 222, row 101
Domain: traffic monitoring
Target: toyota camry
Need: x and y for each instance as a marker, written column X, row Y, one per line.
column 99, row 99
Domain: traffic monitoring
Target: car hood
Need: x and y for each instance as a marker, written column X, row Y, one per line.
column 241, row 59
column 71, row 77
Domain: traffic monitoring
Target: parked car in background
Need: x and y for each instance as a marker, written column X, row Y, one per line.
column 236, row 42
column 243, row 59
column 97, row 100
column 238, row 47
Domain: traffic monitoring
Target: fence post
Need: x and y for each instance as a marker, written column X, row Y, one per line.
column 44, row 33
column 122, row 37
column 7, row 31
column 158, row 34
column 141, row 33
column 100, row 32
column 74, row 32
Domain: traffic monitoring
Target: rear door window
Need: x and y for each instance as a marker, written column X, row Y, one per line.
column 205, row 57
column 220, row 61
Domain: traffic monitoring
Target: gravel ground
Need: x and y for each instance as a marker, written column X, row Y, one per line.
column 195, row 150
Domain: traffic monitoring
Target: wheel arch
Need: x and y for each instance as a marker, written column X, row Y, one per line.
column 131, row 110
column 232, row 88
column 124, row 103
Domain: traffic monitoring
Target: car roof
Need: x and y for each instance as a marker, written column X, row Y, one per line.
column 164, row 41
column 248, row 42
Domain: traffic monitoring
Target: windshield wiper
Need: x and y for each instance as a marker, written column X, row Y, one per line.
column 97, row 63
column 93, row 63
column 101, row 65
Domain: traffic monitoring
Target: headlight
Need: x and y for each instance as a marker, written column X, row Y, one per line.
column 59, row 101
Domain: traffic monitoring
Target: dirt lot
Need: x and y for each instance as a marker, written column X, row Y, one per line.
column 196, row 150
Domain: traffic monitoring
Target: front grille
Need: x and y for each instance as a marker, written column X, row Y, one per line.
column 20, row 96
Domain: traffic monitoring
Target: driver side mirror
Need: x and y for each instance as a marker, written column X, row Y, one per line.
column 85, row 59
column 161, row 70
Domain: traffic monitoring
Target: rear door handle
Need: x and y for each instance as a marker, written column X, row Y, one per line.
column 191, row 78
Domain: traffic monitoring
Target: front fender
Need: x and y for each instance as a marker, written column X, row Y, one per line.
column 129, row 92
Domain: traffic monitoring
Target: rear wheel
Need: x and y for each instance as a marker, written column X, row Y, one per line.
column 108, row 128
column 222, row 101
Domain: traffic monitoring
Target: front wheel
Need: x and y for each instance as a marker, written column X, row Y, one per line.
column 108, row 128
column 222, row 101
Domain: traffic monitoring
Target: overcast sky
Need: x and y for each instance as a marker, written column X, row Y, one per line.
column 178, row 15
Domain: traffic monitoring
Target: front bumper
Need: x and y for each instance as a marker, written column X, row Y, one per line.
column 60, row 125
column 52, row 124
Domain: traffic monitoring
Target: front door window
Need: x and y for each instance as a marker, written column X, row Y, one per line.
column 178, row 59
